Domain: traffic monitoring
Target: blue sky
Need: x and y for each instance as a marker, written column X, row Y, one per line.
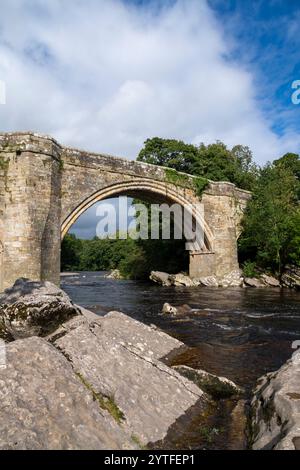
column 267, row 41
column 104, row 75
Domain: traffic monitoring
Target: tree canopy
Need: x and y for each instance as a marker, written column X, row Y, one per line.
column 214, row 161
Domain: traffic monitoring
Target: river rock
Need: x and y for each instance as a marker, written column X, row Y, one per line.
column 270, row 281
column 32, row 308
column 253, row 282
column 178, row 280
column 115, row 274
column 179, row 310
column 210, row 281
column 233, row 279
column 124, row 368
column 275, row 407
column 216, row 387
column 45, row 405
column 160, row 278
column 169, row 309
column 291, row 277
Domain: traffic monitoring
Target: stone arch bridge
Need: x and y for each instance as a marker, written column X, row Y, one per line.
column 45, row 187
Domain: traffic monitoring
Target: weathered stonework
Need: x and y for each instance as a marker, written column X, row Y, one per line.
column 45, row 187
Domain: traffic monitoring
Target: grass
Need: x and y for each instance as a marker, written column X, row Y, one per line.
column 106, row 403
column 198, row 183
column 209, row 434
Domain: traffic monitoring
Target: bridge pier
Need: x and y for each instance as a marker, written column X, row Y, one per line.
column 202, row 264
column 30, row 209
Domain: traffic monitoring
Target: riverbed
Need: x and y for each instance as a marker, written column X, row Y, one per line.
column 237, row 333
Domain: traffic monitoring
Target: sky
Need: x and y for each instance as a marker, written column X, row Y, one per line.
column 104, row 75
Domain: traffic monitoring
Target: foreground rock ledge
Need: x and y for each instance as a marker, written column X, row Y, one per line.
column 92, row 383
column 33, row 309
column 275, row 422
column 44, row 405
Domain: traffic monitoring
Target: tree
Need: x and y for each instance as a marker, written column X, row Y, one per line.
column 246, row 171
column 70, row 253
column 291, row 162
column 271, row 223
column 215, row 161
column 170, row 153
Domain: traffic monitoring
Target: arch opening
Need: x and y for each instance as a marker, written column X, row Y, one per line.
column 151, row 192
column 85, row 249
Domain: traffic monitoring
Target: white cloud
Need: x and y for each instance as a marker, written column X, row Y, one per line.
column 105, row 76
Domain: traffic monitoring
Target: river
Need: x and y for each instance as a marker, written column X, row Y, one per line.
column 237, row 333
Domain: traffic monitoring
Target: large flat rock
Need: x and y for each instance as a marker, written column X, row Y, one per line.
column 149, row 339
column 44, row 405
column 117, row 357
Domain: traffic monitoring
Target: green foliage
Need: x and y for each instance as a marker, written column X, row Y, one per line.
column 215, row 161
column 172, row 176
column 249, row 269
column 134, row 265
column 272, row 221
column 200, row 185
column 209, row 434
column 70, row 253
column 169, row 153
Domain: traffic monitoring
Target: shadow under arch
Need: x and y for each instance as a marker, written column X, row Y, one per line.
column 154, row 192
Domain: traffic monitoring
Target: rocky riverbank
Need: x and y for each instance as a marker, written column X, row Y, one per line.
column 290, row 279
column 275, row 409
column 74, row 380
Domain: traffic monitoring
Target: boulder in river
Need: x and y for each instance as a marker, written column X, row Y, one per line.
column 209, row 281
column 253, row 282
column 114, row 274
column 270, row 281
column 169, row 309
column 177, row 280
column 180, row 279
column 160, row 278
column 32, row 308
column 233, row 279
column 275, row 421
column 179, row 310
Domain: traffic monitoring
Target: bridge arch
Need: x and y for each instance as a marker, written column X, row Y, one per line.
column 153, row 191
column 45, row 187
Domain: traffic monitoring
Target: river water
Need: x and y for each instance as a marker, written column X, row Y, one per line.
column 237, row 333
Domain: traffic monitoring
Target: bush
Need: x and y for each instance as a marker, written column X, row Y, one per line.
column 249, row 269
